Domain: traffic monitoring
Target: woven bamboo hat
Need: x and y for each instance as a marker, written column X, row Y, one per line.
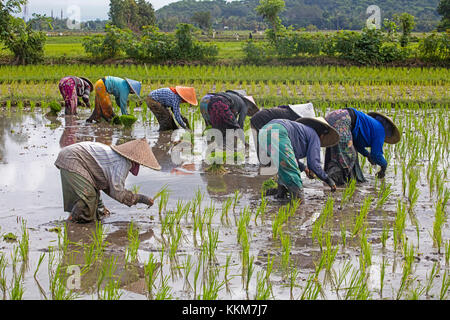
column 303, row 110
column 252, row 107
column 321, row 126
column 392, row 134
column 138, row 151
column 89, row 82
column 188, row 94
column 135, row 86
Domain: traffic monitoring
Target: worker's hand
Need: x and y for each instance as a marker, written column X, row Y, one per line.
column 309, row 173
column 332, row 184
column 381, row 173
column 145, row 200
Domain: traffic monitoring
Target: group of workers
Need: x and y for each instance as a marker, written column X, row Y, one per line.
column 284, row 134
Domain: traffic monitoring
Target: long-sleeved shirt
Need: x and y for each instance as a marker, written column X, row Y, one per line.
column 83, row 89
column 263, row 117
column 104, row 168
column 168, row 98
column 120, row 89
column 369, row 132
column 306, row 144
column 238, row 105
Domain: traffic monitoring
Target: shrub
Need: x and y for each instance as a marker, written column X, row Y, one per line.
column 435, row 46
column 254, row 54
column 111, row 45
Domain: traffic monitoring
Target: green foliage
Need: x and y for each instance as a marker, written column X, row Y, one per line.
column 444, row 10
column 435, row 46
column 131, row 14
column 18, row 36
column 110, row 45
column 407, row 24
column 254, row 53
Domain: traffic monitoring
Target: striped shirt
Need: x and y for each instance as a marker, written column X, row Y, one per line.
column 104, row 168
column 168, row 98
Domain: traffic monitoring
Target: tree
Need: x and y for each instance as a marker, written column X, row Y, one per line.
column 202, row 19
column 26, row 44
column 444, row 10
column 131, row 14
column 407, row 24
column 270, row 10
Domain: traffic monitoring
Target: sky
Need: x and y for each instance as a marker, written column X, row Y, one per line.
column 88, row 9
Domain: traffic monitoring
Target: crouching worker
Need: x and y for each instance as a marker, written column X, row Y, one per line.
column 160, row 101
column 87, row 168
column 72, row 88
column 358, row 131
column 120, row 89
column 286, row 142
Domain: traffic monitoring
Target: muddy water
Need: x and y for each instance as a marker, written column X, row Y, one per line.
column 30, row 191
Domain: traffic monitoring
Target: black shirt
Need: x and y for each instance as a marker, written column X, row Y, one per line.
column 263, row 117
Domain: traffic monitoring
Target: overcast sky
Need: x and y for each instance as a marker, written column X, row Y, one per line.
column 90, row 9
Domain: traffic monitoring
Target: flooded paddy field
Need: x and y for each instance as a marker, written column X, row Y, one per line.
column 213, row 236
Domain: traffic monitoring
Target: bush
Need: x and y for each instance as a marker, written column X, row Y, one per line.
column 111, row 45
column 435, row 46
column 254, row 54
column 26, row 45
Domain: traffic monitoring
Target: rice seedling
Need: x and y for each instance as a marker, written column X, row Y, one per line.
column 338, row 278
column 165, row 291
column 98, row 237
column 439, row 220
column 24, row 242
column 293, row 275
column 3, row 265
column 111, row 290
column 399, row 224
column 17, row 289
column 131, row 253
column 263, row 290
column 225, row 209
column 348, row 193
column 361, row 217
column 430, row 277
column 212, row 286
column 447, row 252
column 312, row 289
column 237, row 197
column 383, row 194
column 444, row 286
column 285, row 254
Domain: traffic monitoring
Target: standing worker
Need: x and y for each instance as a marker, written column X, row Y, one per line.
column 120, row 89
column 286, row 142
column 161, row 100
column 87, row 168
column 358, row 131
column 71, row 88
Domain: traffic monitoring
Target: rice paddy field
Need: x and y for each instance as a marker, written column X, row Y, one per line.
column 215, row 237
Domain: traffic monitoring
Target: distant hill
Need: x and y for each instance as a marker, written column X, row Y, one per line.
column 323, row 14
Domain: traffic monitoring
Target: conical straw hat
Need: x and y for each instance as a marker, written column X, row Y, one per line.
column 252, row 107
column 89, row 82
column 392, row 133
column 138, row 151
column 303, row 110
column 188, row 94
column 331, row 137
column 135, row 86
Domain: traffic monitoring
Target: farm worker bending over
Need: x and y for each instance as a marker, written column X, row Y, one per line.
column 289, row 112
column 71, row 89
column 120, row 89
column 358, row 131
column 227, row 110
column 286, row 142
column 159, row 101
column 88, row 167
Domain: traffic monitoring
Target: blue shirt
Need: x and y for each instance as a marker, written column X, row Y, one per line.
column 120, row 89
column 306, row 144
column 168, row 98
column 369, row 132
